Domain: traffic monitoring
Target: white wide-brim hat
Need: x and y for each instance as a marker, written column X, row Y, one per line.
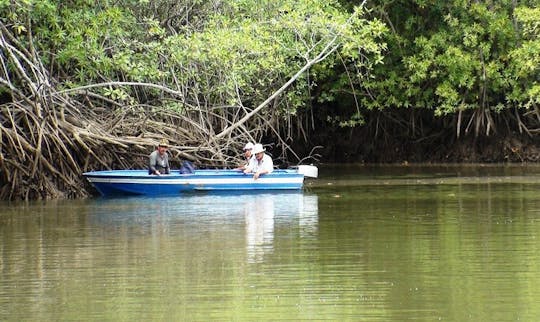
column 248, row 146
column 258, row 148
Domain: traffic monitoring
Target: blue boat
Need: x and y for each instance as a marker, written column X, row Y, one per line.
column 139, row 182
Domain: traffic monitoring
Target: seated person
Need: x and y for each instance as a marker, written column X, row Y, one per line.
column 247, row 156
column 158, row 161
column 261, row 164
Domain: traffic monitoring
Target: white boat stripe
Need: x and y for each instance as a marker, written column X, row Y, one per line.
column 198, row 181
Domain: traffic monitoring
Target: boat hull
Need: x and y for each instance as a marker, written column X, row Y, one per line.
column 139, row 182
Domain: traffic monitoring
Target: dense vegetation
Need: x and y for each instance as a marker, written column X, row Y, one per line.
column 95, row 84
column 456, row 75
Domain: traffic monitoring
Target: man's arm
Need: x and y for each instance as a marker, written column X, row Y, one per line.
column 250, row 166
column 152, row 163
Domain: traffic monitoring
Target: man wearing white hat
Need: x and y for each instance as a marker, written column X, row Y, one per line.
column 247, row 156
column 261, row 164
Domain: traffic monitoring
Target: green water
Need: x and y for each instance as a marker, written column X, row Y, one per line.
column 388, row 243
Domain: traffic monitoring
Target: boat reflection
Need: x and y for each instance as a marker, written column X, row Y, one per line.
column 259, row 218
column 262, row 212
column 220, row 218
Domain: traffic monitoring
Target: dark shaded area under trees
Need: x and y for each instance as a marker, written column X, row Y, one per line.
column 395, row 136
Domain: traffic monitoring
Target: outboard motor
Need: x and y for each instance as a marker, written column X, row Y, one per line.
column 309, row 171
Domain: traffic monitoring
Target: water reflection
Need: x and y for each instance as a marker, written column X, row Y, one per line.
column 259, row 216
column 308, row 216
column 352, row 252
column 199, row 215
column 260, row 211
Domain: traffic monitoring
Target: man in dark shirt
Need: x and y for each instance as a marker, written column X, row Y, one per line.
column 158, row 161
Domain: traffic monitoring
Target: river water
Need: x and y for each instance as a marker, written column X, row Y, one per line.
column 361, row 243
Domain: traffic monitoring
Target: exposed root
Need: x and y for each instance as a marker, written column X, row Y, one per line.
column 50, row 136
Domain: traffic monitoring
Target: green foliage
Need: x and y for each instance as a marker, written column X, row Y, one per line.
column 525, row 59
column 447, row 56
column 227, row 53
column 250, row 48
column 444, row 56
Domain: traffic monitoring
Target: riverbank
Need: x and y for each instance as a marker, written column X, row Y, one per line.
column 495, row 149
